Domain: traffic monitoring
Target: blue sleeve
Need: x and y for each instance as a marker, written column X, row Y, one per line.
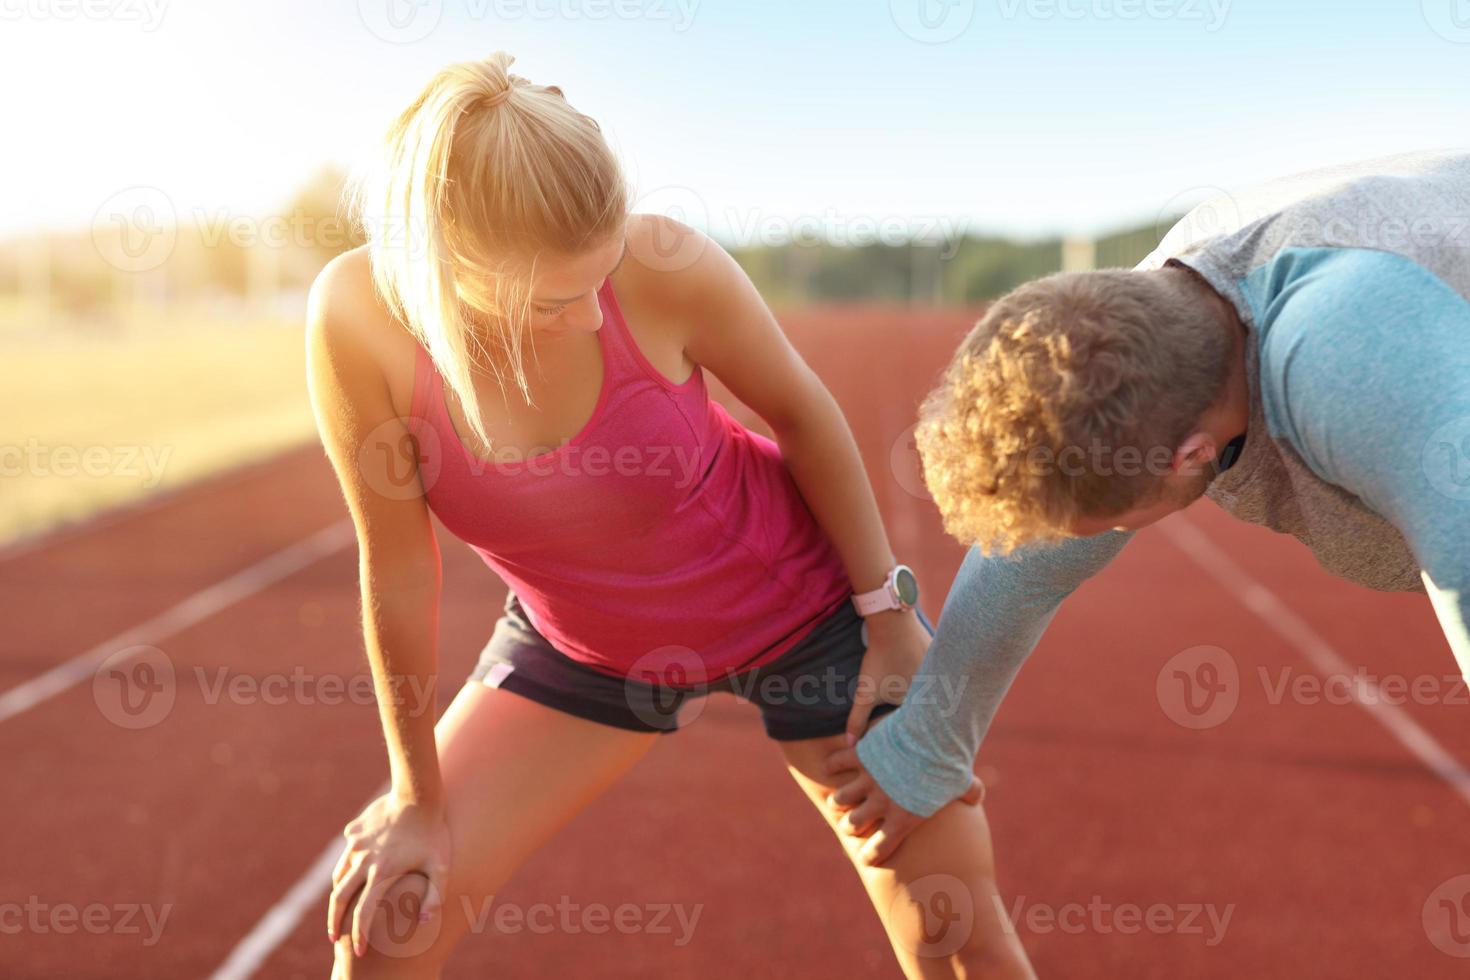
column 1365, row 372
column 923, row 754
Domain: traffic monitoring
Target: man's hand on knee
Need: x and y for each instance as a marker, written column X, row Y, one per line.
column 860, row 808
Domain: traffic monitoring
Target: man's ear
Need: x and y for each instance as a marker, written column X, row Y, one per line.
column 1196, row 452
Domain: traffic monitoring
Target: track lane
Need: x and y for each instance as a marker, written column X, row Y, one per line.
column 1323, row 833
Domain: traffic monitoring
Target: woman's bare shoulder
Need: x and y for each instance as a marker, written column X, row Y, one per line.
column 653, row 291
column 350, row 320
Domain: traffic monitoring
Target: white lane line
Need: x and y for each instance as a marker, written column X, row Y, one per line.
column 1318, row 652
column 280, row 919
column 196, row 608
column 68, row 531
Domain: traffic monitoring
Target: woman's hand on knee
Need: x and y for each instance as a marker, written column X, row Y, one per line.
column 390, row 839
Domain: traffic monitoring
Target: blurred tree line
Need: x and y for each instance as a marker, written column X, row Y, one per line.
column 966, row 272
column 234, row 262
column 248, row 263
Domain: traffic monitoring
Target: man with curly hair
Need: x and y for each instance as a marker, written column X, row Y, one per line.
column 1299, row 354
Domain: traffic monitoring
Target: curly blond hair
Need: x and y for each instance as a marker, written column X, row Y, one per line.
column 1066, row 401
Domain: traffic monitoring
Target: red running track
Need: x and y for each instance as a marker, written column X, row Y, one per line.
column 1293, row 836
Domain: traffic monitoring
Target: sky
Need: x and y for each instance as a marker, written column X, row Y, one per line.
column 752, row 118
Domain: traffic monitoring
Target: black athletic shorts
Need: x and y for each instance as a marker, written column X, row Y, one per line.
column 804, row 693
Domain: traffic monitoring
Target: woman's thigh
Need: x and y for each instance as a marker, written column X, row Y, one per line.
column 937, row 896
column 515, row 772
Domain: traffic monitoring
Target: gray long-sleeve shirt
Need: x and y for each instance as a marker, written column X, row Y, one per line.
column 1354, row 286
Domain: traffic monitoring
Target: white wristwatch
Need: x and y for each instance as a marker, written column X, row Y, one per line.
column 899, row 591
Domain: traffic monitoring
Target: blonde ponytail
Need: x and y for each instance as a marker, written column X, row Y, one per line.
column 482, row 174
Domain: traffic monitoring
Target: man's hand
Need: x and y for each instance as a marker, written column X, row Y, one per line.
column 896, row 645
column 866, row 811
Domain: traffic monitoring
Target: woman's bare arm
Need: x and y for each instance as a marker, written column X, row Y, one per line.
column 730, row 330
column 398, row 555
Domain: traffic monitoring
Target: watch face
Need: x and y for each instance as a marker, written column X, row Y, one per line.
column 907, row 586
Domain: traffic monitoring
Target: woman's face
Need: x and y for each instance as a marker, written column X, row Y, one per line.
column 564, row 294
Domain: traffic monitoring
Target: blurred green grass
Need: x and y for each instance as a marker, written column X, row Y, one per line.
column 91, row 421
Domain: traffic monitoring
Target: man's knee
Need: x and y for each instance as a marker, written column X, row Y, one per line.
column 991, row 958
column 956, row 928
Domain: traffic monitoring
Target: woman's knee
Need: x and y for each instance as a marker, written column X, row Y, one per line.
column 399, row 944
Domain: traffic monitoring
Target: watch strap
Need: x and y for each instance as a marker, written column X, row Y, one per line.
column 879, row 600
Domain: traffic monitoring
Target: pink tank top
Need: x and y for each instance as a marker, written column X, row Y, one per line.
column 664, row 540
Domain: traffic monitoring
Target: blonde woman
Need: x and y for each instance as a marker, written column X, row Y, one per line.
column 546, row 352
